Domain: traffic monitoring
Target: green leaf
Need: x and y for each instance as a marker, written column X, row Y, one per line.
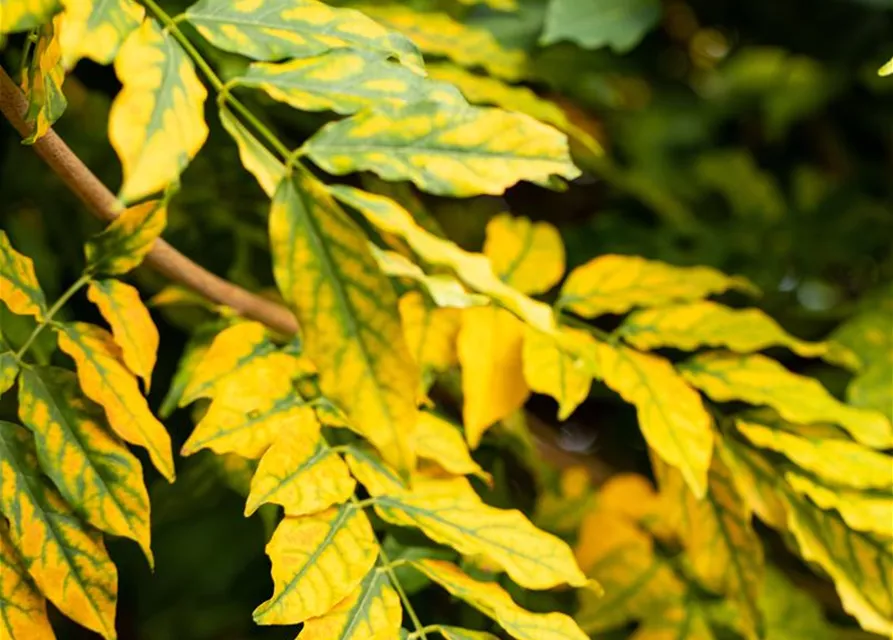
column 9, row 369
column 348, row 313
column 279, row 29
column 445, row 149
column 791, row 612
column 23, row 610
column 42, row 83
column 457, row 633
column 255, row 157
column 124, row 243
column 620, row 24
column 19, row 287
column 871, row 389
column 96, row 29
column 21, row 15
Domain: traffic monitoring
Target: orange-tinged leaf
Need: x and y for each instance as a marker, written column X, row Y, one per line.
column 347, row 310
column 528, row 256
column 561, row 366
column 672, row 415
column 494, row 601
column 300, row 472
column 66, row 559
column 157, row 121
column 23, row 611
column 440, row 441
column 19, row 288
column 9, row 369
column 125, row 242
column 132, row 326
column 42, row 82
column 371, row 612
column 90, row 467
column 762, row 381
column 96, row 29
column 106, row 381
column 687, row 622
column 317, row 561
column 430, row 332
column 493, row 384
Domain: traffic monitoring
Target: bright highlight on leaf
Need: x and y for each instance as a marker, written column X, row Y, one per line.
column 42, row 82
column 95, row 29
column 21, row 15
column 124, row 243
column 528, row 256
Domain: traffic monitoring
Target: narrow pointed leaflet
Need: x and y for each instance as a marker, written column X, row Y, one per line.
column 19, row 287
column 42, row 83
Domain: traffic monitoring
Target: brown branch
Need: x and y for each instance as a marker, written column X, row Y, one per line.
column 104, row 205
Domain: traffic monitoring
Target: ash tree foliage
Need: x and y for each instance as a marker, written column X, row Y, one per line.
column 379, row 445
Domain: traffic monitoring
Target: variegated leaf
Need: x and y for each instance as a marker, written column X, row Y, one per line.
column 430, row 332
column 444, row 289
column 458, row 633
column 256, row 158
column 42, row 82
column 23, row 610
column 21, row 15
column 861, row 510
column 9, row 369
column 95, row 29
column 528, row 256
column 157, row 121
column 124, row 243
column 19, row 287
column 561, row 366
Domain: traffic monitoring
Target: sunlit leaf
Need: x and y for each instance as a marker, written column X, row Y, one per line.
column 887, row 69
column 444, row 149
column 106, row 381
column 441, row 441
column 444, row 289
column 42, row 82
column 457, row 633
column 300, row 472
column 92, row 469
column 348, row 314
column 561, row 366
column 528, row 256
column 279, row 29
column 9, row 369
column 866, row 510
column 473, row 269
column 96, row 29
column 66, row 560
column 371, row 612
column 125, row 242
column 23, row 611
column 317, row 561
column 132, row 326
column 704, row 323
column 672, row 415
column 21, row 15
column 490, row 352
column 256, row 158
column 615, row 284
column 19, row 287
column 762, row 381
column 157, row 121
column 430, row 332
column 621, row 24
column 494, row 601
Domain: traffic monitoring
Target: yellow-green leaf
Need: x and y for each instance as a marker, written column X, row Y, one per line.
column 706, row 323
column 887, row 69
column 867, row 335
column 42, row 82
column 106, row 380
column 444, row 289
column 345, row 81
column 494, row 601
column 561, row 366
column 447, row 150
column 256, row 158
column 23, row 610
column 671, row 414
column 441, row 441
column 92, row 469
column 871, row 389
column 458, row 633
column 616, row 284
column 866, row 510
column 688, row 621
column 762, row 381
column 371, row 612
column 528, row 256
column 95, row 29
column 280, row 29
column 9, row 369
column 132, row 326
column 300, row 472
column 21, row 15
column 348, row 314
column 437, row 34
column 66, row 560
column 430, row 332
column 157, row 121
column 490, row 352
column 125, row 242
column 317, row 561
column 19, row 287
column 448, row 510
column 791, row 611
column 474, row 269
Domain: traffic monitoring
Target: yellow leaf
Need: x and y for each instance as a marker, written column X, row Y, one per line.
column 23, row 611
column 21, row 15
column 493, row 385
column 255, row 157
column 317, row 561
column 125, row 242
column 92, row 469
column 870, row 511
column 671, row 414
column 756, row 482
column 887, row 69
column 42, row 82
column 95, row 29
column 762, row 381
column 19, row 287
column 448, row 511
column 705, row 323
column 132, row 326
column 348, row 314
column 495, row 602
column 441, row 441
column 444, row 289
column 157, row 122
column 430, row 333
column 9, row 369
column 688, row 622
column 106, row 381
column 615, row 284
column 300, row 472
column 371, row 612
column 634, row 497
column 528, row 256
column 66, row 560
column 561, row 366
column 457, row 633
column 472, row 268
